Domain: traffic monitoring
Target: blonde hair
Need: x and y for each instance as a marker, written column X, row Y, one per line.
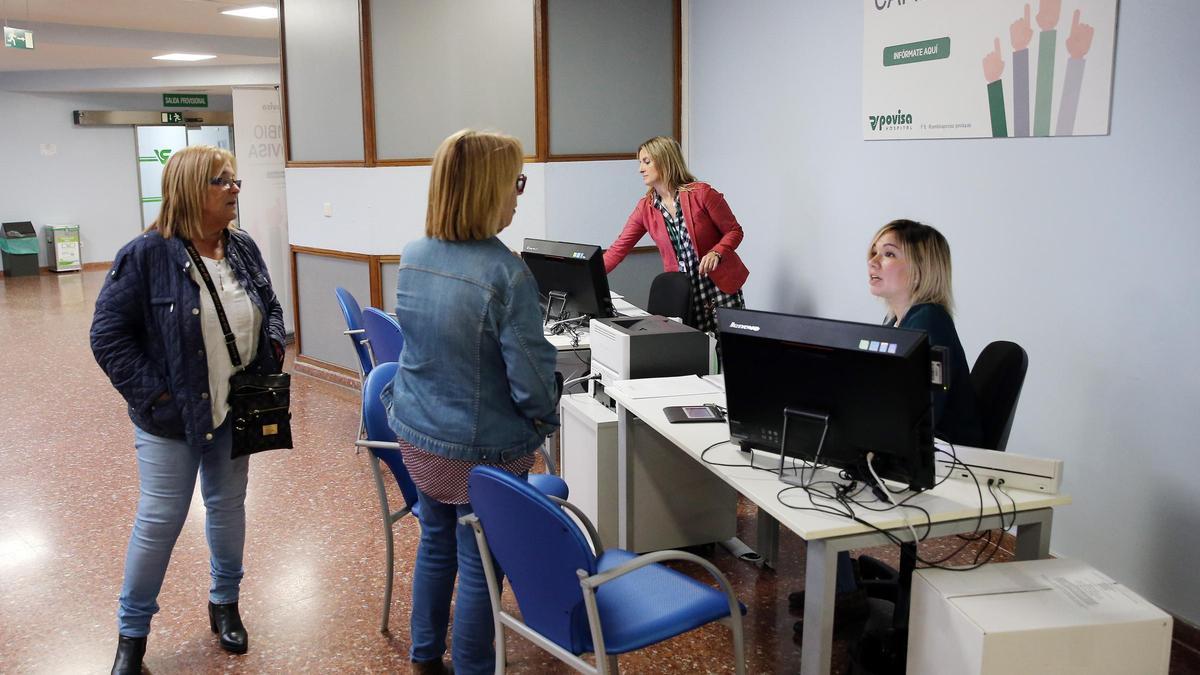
column 474, row 172
column 667, row 156
column 928, row 254
column 185, row 184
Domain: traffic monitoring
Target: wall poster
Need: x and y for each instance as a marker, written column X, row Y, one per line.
column 987, row 68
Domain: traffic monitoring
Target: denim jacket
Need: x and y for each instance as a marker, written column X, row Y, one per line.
column 146, row 333
column 476, row 377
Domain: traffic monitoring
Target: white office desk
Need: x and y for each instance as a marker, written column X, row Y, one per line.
column 953, row 507
column 566, row 341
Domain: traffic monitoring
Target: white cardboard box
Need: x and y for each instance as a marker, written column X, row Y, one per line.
column 1056, row 616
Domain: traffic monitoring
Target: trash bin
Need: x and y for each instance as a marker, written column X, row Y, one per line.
column 62, row 248
column 19, row 249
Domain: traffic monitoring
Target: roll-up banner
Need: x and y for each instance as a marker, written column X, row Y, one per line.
column 987, row 68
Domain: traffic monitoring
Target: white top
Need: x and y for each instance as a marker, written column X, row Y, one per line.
column 244, row 320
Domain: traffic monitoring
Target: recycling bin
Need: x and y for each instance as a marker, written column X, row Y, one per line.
column 62, row 248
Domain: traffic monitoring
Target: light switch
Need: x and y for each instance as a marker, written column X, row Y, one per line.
column 328, row 209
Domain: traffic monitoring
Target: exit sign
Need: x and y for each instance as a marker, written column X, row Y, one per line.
column 18, row 38
column 172, row 118
column 185, row 100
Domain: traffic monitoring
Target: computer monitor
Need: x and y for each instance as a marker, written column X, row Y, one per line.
column 842, row 389
column 570, row 277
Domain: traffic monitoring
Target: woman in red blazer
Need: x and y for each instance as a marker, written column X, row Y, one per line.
column 694, row 229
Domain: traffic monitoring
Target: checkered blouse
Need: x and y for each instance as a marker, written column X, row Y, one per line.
column 706, row 297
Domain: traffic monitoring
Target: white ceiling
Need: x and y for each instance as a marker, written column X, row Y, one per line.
column 72, row 37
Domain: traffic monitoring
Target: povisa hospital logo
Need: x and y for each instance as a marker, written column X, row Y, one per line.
column 744, row 326
column 900, row 120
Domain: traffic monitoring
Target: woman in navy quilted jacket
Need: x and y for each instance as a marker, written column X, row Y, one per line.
column 156, row 335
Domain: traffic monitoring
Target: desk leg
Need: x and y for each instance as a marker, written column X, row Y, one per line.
column 768, row 538
column 1033, row 538
column 624, row 509
column 820, row 579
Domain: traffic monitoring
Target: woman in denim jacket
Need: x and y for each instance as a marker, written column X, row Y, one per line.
column 155, row 333
column 475, row 383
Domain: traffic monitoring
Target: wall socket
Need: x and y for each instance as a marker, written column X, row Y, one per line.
column 327, row 209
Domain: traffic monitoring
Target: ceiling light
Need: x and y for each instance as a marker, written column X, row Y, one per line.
column 185, row 57
column 256, row 12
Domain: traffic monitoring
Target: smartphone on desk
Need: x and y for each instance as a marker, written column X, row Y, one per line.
column 693, row 413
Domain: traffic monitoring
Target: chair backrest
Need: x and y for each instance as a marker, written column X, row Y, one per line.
column 998, row 375
column 384, row 336
column 376, row 424
column 354, row 319
column 539, row 548
column 671, row 295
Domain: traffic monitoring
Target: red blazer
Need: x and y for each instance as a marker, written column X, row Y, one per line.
column 710, row 224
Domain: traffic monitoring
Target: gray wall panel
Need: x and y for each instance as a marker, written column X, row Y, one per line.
column 321, row 321
column 440, row 67
column 611, row 74
column 388, row 276
column 324, row 80
column 633, row 277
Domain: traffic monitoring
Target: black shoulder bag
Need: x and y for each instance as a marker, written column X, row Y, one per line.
column 259, row 404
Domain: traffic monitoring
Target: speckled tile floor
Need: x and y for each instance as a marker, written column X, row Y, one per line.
column 312, row 593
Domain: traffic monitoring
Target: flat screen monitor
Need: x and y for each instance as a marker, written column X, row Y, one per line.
column 842, row 388
column 570, row 278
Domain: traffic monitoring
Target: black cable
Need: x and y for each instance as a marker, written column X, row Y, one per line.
column 845, row 503
column 750, row 464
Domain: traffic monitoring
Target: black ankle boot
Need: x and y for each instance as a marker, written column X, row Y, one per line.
column 225, row 622
column 130, row 651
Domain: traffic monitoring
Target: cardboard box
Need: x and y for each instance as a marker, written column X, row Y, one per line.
column 1056, row 616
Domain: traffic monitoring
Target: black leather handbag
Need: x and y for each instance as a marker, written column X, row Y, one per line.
column 260, row 414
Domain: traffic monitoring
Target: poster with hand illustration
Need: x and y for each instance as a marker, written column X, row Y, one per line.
column 987, row 68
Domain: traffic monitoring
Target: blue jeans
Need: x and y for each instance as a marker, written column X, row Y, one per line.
column 167, row 471
column 448, row 548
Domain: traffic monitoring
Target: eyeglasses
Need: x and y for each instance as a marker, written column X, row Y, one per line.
column 222, row 182
column 521, row 179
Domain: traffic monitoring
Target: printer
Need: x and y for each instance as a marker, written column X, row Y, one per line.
column 625, row 348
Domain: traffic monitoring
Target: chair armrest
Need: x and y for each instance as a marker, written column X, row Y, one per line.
column 381, row 445
column 551, row 466
column 597, row 545
column 590, row 583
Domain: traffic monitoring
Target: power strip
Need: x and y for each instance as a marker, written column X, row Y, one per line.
column 1018, row 471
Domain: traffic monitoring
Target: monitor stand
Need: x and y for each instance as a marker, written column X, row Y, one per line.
column 556, row 306
column 796, row 416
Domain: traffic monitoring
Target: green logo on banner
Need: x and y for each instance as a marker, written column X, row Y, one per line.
column 901, row 120
column 162, row 155
column 185, row 100
column 915, row 52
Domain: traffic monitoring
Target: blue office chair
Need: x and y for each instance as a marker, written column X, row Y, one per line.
column 385, row 338
column 381, row 443
column 354, row 329
column 385, row 341
column 574, row 600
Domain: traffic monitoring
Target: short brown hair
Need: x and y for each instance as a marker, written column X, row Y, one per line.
column 667, row 156
column 473, row 175
column 185, row 183
column 928, row 253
